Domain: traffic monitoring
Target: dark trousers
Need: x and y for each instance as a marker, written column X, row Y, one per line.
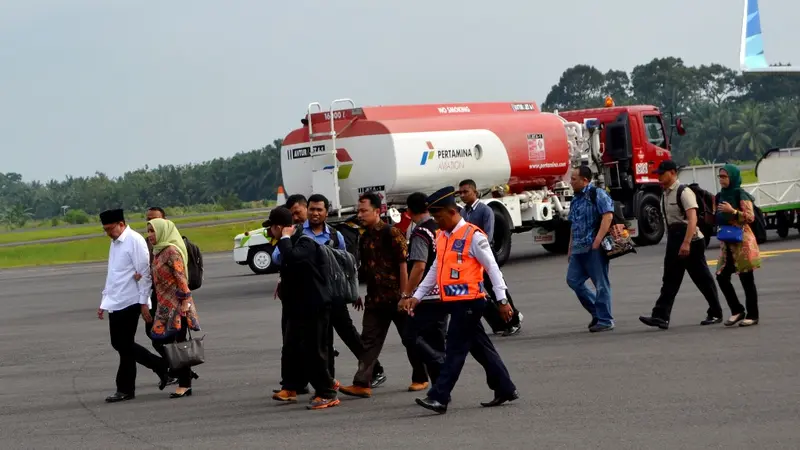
column 425, row 336
column 748, row 284
column 492, row 314
column 674, row 268
column 183, row 375
column 376, row 322
column 342, row 323
column 122, row 326
column 465, row 334
column 306, row 350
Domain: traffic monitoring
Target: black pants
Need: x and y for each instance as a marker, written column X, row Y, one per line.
column 465, row 335
column 376, row 323
column 122, row 326
column 184, row 375
column 674, row 268
column 306, row 351
column 342, row 323
column 492, row 314
column 424, row 335
column 748, row 284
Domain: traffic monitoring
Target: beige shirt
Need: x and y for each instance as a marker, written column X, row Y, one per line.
column 669, row 201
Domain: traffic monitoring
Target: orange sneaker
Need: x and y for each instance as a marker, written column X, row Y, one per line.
column 356, row 391
column 418, row 387
column 285, row 396
column 322, row 403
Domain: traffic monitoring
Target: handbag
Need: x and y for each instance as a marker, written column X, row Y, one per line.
column 730, row 234
column 184, row 354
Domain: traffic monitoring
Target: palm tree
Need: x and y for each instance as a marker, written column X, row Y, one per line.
column 788, row 119
column 752, row 133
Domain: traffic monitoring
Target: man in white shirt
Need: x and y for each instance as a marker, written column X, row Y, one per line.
column 126, row 299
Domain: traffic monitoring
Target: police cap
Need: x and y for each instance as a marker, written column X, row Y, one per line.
column 441, row 199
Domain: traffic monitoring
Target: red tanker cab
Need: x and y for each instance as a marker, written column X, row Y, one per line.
column 633, row 141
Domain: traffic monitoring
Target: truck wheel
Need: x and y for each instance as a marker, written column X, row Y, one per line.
column 502, row 238
column 259, row 260
column 651, row 223
column 784, row 222
column 561, row 245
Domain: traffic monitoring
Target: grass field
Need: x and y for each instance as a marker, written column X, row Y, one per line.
column 749, row 176
column 210, row 239
column 96, row 228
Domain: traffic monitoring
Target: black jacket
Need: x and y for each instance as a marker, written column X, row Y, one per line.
column 303, row 283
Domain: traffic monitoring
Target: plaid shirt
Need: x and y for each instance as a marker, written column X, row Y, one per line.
column 584, row 217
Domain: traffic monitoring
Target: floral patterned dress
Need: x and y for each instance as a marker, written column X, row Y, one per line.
column 172, row 289
column 746, row 255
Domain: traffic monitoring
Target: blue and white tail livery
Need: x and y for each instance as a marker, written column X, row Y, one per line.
column 752, row 57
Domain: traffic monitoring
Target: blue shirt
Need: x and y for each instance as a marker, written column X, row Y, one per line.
column 481, row 215
column 584, row 216
column 321, row 239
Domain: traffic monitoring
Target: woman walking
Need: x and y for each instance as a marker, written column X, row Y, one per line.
column 738, row 247
column 176, row 312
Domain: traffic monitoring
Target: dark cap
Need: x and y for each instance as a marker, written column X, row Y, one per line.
column 112, row 216
column 280, row 216
column 666, row 166
column 441, row 199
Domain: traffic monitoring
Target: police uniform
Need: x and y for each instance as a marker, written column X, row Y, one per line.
column 462, row 255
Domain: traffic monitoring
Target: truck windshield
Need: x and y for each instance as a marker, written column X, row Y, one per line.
column 655, row 131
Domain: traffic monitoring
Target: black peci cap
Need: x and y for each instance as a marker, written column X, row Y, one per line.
column 112, row 216
column 280, row 216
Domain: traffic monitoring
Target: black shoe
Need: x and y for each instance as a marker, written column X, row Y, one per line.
column 512, row 330
column 119, row 397
column 654, row 322
column 165, row 380
column 186, row 393
column 433, row 405
column 599, row 328
column 592, row 323
column 378, row 380
column 710, row 320
column 195, row 375
column 500, row 399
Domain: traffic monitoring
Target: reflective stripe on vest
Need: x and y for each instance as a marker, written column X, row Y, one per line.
column 459, row 275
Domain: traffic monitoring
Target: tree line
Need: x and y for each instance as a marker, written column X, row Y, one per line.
column 216, row 185
column 728, row 117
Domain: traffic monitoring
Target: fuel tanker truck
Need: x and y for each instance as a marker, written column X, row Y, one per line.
column 519, row 157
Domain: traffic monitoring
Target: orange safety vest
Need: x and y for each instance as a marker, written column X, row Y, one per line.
column 460, row 276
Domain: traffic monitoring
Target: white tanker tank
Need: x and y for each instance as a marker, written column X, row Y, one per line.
column 398, row 150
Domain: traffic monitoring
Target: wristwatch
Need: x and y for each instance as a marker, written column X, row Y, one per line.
column 503, row 301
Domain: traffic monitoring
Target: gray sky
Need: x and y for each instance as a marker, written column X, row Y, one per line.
column 102, row 85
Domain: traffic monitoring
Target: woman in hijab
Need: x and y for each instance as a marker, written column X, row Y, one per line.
column 176, row 313
column 735, row 208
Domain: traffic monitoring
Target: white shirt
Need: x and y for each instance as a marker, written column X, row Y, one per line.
column 478, row 249
column 128, row 255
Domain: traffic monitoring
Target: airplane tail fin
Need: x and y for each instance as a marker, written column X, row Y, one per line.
column 752, row 47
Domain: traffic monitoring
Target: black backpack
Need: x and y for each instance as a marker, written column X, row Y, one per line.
column 341, row 271
column 759, row 225
column 705, row 201
column 195, row 264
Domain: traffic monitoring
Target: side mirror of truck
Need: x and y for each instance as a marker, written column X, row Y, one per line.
column 679, row 127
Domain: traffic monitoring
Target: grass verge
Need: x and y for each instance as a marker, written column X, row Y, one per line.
column 95, row 228
column 215, row 238
column 749, row 176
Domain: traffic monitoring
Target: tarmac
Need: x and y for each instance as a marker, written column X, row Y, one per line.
column 690, row 387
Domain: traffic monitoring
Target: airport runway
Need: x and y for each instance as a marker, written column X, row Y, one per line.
column 690, row 387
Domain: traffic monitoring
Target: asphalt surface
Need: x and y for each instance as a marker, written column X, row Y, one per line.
column 689, row 387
